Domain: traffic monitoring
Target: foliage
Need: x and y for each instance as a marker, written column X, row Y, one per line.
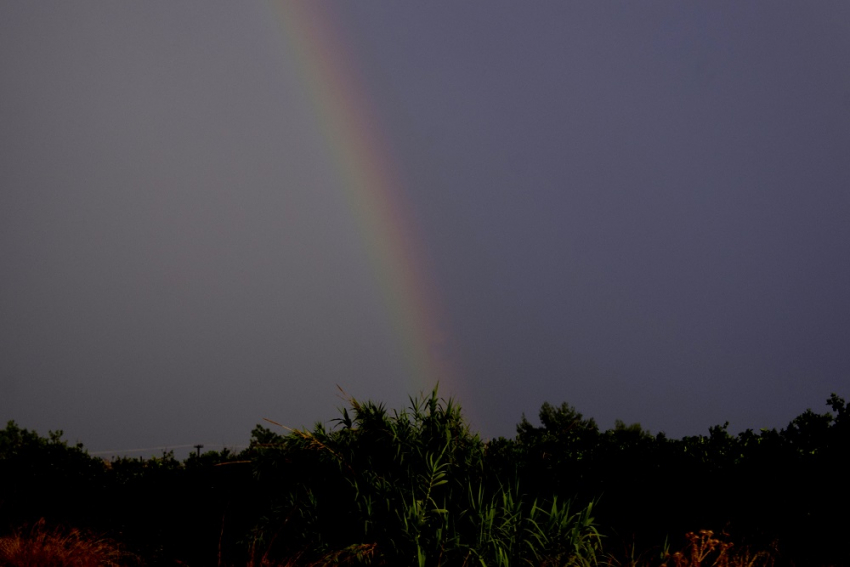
column 52, row 478
column 417, row 487
column 413, row 485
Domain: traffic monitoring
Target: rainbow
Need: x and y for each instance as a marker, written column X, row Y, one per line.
column 372, row 188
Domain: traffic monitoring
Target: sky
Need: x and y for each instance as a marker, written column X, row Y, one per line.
column 213, row 213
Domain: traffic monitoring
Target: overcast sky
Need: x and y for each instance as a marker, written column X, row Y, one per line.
column 640, row 208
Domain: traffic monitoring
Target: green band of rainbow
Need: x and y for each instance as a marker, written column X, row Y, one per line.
column 372, row 189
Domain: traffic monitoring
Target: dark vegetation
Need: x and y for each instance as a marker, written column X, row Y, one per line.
column 418, row 488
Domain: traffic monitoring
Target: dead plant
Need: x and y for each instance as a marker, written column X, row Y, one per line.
column 41, row 546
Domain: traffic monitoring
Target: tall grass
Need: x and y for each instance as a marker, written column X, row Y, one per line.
column 412, row 488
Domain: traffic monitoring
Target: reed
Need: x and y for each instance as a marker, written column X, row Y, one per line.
column 412, row 488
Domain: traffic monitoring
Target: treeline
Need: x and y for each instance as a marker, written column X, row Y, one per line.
column 417, row 487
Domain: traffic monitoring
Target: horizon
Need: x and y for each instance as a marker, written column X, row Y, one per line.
column 184, row 451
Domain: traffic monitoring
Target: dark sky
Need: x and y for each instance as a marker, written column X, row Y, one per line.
column 642, row 209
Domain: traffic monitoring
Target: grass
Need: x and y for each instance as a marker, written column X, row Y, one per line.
column 706, row 550
column 43, row 546
column 703, row 549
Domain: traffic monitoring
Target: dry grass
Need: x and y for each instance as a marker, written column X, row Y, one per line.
column 706, row 550
column 41, row 546
column 357, row 554
column 703, row 549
